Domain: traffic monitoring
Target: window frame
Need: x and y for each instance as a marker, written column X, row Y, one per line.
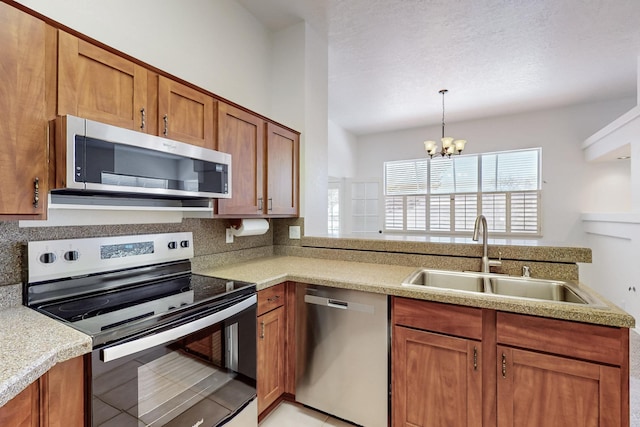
column 452, row 229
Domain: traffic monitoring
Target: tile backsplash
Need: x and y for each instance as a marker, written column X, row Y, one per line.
column 208, row 235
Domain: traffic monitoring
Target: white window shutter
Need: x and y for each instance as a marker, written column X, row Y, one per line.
column 440, row 213
column 416, row 213
column 524, row 212
column 393, row 213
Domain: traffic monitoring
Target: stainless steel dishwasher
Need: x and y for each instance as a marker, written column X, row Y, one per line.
column 342, row 353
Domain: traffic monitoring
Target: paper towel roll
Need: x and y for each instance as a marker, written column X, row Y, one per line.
column 251, row 227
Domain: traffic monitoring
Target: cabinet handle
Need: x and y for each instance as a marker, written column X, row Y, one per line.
column 475, row 358
column 275, row 298
column 36, row 192
column 504, row 366
column 260, row 205
column 166, row 125
column 262, row 330
column 270, row 204
column 143, row 118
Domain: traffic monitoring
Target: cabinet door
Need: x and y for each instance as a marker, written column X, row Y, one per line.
column 22, row 410
column 23, row 142
column 99, row 85
column 185, row 114
column 283, row 152
column 436, row 380
column 271, row 348
column 63, row 394
column 536, row 389
column 241, row 134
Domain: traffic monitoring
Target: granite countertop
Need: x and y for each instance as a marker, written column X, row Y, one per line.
column 387, row 279
column 31, row 344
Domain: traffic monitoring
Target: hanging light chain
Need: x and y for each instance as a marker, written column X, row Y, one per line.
column 443, row 91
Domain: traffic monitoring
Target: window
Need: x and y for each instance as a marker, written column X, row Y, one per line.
column 333, row 226
column 447, row 194
column 365, row 211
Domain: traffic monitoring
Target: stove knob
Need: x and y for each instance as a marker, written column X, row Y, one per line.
column 184, row 244
column 71, row 255
column 172, row 245
column 47, row 258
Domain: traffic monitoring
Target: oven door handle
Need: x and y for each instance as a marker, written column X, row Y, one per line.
column 125, row 349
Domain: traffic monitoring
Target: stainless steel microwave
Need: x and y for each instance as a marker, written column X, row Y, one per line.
column 99, row 158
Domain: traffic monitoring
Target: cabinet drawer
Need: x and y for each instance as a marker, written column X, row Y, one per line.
column 271, row 298
column 437, row 317
column 602, row 344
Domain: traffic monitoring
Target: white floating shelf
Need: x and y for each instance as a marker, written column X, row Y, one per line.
column 614, row 140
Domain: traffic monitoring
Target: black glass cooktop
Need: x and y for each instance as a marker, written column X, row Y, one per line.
column 156, row 301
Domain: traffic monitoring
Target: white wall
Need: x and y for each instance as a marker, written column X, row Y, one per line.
column 217, row 45
column 342, row 152
column 316, row 153
column 608, row 187
column 300, row 82
column 614, row 270
column 559, row 132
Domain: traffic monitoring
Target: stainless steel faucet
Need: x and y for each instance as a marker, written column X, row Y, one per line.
column 486, row 263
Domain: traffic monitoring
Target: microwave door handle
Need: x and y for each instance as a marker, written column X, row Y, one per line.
column 125, row 349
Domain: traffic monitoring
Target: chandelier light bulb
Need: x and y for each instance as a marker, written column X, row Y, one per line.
column 430, row 147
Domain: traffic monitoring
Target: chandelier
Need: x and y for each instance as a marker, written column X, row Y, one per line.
column 449, row 145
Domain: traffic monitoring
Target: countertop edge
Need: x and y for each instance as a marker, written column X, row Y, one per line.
column 34, row 355
column 270, row 271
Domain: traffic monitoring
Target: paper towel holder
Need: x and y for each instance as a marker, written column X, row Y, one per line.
column 236, row 228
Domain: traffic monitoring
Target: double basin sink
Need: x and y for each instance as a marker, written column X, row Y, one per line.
column 508, row 286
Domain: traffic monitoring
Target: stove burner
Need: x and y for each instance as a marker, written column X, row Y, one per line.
column 84, row 305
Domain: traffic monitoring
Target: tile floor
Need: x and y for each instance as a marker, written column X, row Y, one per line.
column 293, row 415
column 289, row 414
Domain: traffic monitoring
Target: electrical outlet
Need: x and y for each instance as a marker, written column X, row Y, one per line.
column 294, row 232
column 229, row 236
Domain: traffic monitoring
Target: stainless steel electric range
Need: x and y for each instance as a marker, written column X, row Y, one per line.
column 170, row 348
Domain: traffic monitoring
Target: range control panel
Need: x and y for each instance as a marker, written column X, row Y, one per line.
column 56, row 259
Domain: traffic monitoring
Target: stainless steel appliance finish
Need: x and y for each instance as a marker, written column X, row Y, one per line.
column 342, row 353
column 101, row 158
column 171, row 348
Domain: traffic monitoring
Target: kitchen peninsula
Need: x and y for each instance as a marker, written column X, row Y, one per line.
column 377, row 266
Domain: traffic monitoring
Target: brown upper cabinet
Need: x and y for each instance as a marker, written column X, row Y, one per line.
column 185, row 114
column 52, row 73
column 99, row 85
column 265, row 166
column 283, row 153
column 23, row 133
column 241, row 134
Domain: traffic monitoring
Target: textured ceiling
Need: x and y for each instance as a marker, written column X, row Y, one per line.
column 389, row 58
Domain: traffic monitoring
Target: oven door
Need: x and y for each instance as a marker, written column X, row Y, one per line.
column 199, row 373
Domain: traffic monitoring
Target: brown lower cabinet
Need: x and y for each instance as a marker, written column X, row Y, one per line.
column 275, row 347
column 55, row 400
column 270, row 357
column 465, row 366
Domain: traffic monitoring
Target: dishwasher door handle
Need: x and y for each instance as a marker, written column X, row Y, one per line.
column 339, row 304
